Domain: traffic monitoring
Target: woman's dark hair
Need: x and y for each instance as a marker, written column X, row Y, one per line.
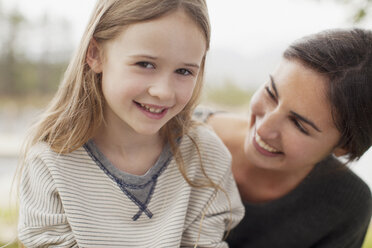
column 344, row 57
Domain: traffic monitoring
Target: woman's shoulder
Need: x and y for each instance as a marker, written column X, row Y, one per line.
column 335, row 173
column 342, row 188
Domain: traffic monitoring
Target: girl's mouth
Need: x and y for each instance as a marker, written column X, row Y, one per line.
column 151, row 108
column 152, row 111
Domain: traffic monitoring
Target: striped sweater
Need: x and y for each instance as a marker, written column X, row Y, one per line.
column 78, row 200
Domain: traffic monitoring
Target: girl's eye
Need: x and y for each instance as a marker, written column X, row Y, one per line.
column 272, row 96
column 299, row 126
column 146, row 65
column 184, row 72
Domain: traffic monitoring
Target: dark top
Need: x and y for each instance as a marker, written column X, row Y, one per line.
column 330, row 208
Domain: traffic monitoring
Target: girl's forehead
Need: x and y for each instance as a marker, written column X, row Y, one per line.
column 172, row 34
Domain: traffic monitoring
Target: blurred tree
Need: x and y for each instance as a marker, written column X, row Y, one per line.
column 9, row 73
column 361, row 9
column 22, row 71
column 228, row 94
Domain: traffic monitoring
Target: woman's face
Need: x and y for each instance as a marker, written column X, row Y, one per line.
column 291, row 124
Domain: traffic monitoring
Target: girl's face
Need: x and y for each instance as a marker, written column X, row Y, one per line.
column 291, row 123
column 149, row 72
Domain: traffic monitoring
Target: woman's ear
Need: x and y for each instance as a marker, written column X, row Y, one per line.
column 338, row 152
column 93, row 57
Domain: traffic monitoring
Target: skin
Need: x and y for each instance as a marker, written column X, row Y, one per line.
column 275, row 148
column 148, row 76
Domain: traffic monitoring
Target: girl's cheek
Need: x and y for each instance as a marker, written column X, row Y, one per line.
column 186, row 92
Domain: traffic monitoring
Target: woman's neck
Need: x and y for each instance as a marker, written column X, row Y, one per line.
column 258, row 184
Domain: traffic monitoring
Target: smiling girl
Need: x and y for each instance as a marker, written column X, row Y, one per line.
column 115, row 160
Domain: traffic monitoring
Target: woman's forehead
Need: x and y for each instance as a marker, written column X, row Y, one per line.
column 303, row 90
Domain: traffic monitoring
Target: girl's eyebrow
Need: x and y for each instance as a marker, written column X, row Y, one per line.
column 192, row 65
column 145, row 56
column 305, row 120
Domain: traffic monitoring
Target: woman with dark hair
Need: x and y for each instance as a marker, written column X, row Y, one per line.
column 315, row 107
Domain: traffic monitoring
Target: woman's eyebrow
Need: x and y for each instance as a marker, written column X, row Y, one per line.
column 305, row 120
column 273, row 86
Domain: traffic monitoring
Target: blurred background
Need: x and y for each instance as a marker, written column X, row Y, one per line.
column 37, row 39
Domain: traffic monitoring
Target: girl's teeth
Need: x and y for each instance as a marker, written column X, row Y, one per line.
column 264, row 145
column 152, row 110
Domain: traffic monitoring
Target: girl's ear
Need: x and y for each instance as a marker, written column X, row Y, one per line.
column 338, row 152
column 93, row 57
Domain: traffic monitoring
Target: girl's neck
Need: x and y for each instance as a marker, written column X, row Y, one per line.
column 125, row 138
column 127, row 150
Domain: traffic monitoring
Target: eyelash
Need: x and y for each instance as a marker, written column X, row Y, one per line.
column 294, row 120
column 181, row 71
column 298, row 125
column 144, row 64
column 272, row 96
column 184, row 72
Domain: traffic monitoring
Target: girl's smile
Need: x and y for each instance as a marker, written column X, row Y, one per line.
column 152, row 111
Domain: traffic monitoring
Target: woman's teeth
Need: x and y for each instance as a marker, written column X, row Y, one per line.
column 263, row 145
column 152, row 109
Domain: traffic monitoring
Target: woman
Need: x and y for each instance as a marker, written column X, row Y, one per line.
column 315, row 107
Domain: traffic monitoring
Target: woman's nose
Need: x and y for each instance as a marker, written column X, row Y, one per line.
column 268, row 126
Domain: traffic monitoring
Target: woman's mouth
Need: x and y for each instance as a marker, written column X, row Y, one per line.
column 264, row 148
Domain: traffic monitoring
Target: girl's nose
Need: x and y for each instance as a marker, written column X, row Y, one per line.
column 162, row 89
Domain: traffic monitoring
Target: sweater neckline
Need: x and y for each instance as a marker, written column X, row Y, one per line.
column 138, row 188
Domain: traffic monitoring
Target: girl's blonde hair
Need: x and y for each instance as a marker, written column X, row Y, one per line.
column 76, row 111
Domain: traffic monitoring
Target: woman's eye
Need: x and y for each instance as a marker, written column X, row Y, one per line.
column 146, row 65
column 270, row 93
column 299, row 126
column 184, row 72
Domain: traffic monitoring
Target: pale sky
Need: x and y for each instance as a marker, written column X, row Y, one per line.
column 246, row 34
column 241, row 25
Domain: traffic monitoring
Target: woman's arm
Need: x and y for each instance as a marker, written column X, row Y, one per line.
column 231, row 128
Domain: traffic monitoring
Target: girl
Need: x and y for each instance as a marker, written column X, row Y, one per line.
column 317, row 105
column 115, row 160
